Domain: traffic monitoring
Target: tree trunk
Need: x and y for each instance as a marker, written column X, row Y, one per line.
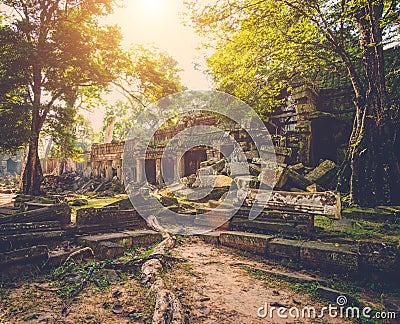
column 375, row 177
column 33, row 175
column 371, row 159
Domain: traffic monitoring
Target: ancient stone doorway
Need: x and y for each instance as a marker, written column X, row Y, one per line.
column 323, row 142
column 168, row 169
column 192, row 159
column 150, row 168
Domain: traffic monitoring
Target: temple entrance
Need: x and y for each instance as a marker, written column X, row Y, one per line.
column 192, row 159
column 167, row 169
column 150, row 168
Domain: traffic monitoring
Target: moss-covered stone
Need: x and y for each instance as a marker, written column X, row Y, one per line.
column 329, row 256
column 283, row 248
column 256, row 243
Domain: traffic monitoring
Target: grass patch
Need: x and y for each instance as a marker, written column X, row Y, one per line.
column 363, row 229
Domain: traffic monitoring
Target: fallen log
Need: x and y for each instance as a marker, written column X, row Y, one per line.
column 325, row 203
column 59, row 212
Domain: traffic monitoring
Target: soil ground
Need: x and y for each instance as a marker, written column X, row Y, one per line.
column 214, row 285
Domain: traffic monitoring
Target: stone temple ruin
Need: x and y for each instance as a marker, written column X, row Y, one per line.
column 315, row 126
column 307, row 152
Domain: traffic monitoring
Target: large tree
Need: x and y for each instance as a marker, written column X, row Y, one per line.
column 52, row 48
column 149, row 75
column 263, row 45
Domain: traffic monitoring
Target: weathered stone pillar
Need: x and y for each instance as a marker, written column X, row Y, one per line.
column 140, row 171
column 159, row 178
column 109, row 170
column 305, row 98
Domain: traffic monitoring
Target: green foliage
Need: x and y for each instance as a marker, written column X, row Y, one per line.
column 149, row 75
column 49, row 52
column 262, row 48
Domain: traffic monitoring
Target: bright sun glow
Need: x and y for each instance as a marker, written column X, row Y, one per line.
column 153, row 6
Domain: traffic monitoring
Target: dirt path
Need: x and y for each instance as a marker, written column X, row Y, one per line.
column 216, row 287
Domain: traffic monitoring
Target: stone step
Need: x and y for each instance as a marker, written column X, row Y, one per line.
column 15, row 241
column 17, row 228
column 263, row 226
column 59, row 212
column 22, row 261
column 256, row 243
column 370, row 214
column 275, row 215
column 89, row 216
column 127, row 239
column 24, row 255
column 329, row 257
column 105, row 228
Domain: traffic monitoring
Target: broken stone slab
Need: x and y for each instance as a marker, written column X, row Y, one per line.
column 127, row 239
column 299, row 167
column 59, row 212
column 380, row 256
column 33, row 205
column 254, row 169
column 204, row 194
column 333, row 295
column 17, row 228
column 88, row 216
column 109, row 250
column 273, row 175
column 275, row 216
column 239, row 168
column 284, row 248
column 244, row 182
column 6, row 210
column 168, row 201
column 107, row 227
column 15, row 241
column 314, row 188
column 322, row 174
column 212, row 217
column 210, row 181
column 251, row 242
column 256, row 226
column 329, row 257
column 370, row 214
column 209, row 162
column 296, row 179
column 123, row 204
column 211, row 237
column 25, row 255
column 325, row 203
column 219, row 166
